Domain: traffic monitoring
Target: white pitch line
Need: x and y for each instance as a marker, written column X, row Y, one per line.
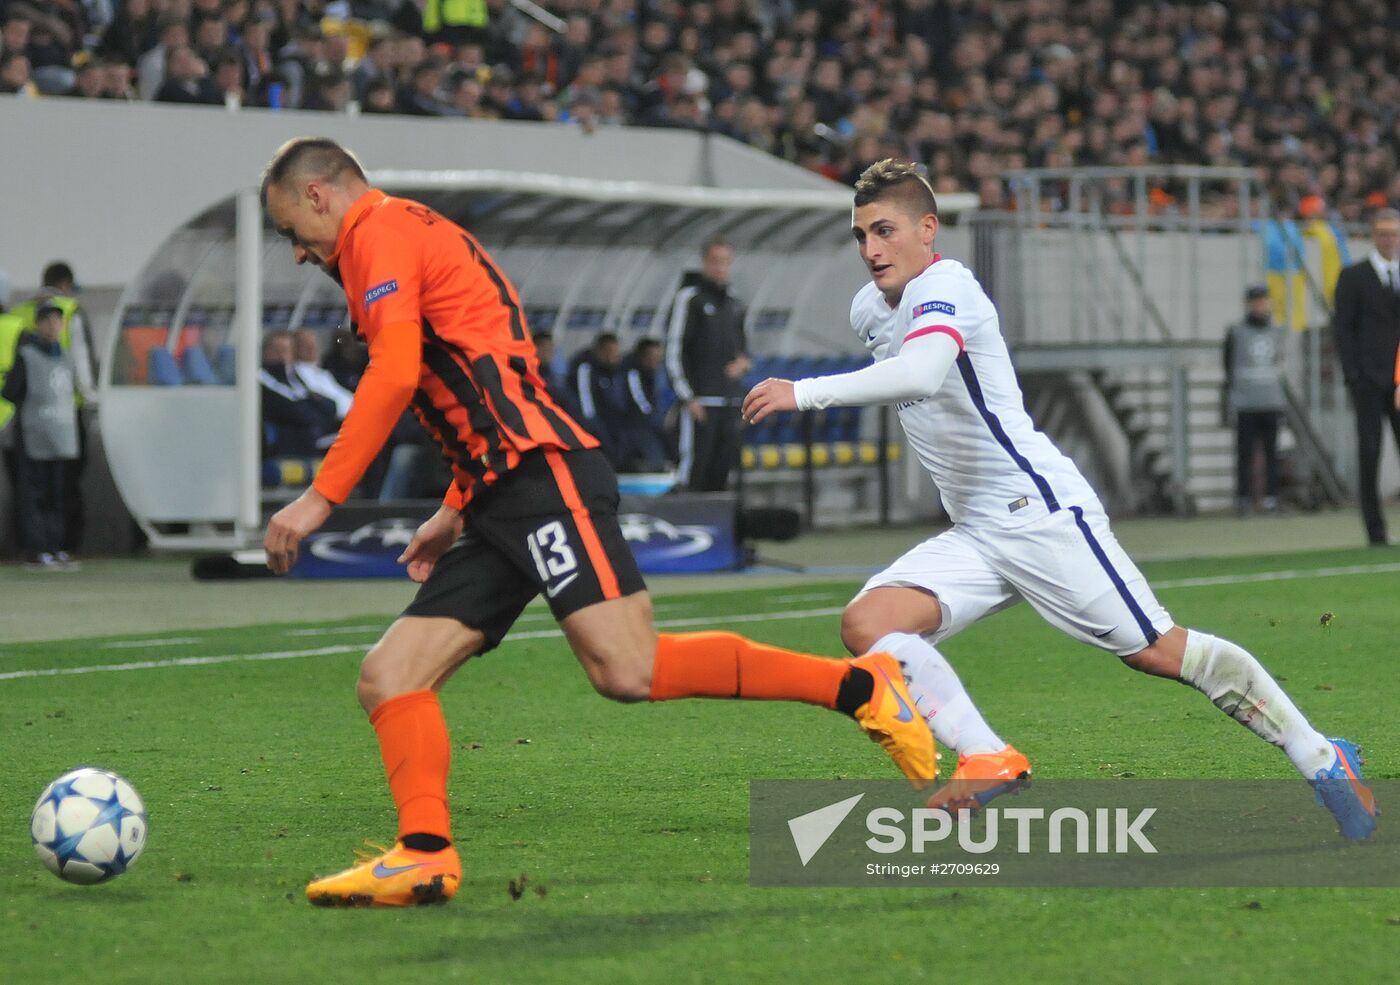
column 180, row 662
column 1285, row 575
column 328, row 630
column 540, row 634
column 142, row 644
column 1262, row 576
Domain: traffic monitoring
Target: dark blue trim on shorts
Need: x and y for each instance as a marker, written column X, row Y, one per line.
column 974, row 390
column 1145, row 624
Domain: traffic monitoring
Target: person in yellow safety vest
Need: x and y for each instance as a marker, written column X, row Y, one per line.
column 455, row 21
column 59, row 288
column 11, row 327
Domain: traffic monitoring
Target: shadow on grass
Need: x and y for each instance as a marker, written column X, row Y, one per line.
column 556, row 936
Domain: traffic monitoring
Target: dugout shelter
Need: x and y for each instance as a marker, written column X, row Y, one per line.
column 179, row 390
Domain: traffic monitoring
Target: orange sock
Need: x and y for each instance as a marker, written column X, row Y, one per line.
column 413, row 741
column 726, row 665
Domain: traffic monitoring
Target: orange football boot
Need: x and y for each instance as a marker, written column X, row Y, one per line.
column 889, row 718
column 398, row 877
column 981, row 777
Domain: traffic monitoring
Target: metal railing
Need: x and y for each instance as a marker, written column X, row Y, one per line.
column 1116, row 267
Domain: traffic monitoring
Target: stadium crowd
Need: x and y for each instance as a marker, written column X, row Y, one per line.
column 1306, row 89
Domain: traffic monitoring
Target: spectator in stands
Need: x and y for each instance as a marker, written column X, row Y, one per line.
column 89, row 80
column 972, row 89
column 226, row 86
column 642, row 444
column 421, row 98
column 1254, row 394
column 172, row 32
column 14, row 33
column 41, row 385
column 1366, row 325
column 117, row 81
column 306, row 366
column 187, row 79
column 706, row 358
column 133, row 32
column 210, row 38
column 380, row 97
column 296, row 422
column 330, row 91
column 56, row 36
column 595, row 390
column 377, row 63
column 255, row 49
column 14, row 75
column 296, row 63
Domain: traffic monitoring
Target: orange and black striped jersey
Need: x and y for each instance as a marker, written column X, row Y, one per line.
column 447, row 335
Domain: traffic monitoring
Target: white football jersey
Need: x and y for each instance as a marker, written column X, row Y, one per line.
column 974, row 435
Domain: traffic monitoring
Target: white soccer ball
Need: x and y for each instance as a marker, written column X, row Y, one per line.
column 88, row 825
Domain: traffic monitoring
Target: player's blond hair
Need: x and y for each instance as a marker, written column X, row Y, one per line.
column 898, row 181
column 309, row 159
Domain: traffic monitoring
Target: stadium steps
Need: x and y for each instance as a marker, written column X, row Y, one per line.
column 1141, row 401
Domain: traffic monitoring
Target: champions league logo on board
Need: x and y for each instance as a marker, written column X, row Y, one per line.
column 662, row 539
column 371, row 550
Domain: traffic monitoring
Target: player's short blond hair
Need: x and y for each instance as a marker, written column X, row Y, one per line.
column 898, row 181
column 309, row 159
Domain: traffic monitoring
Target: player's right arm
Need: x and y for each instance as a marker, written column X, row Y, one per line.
column 915, row 372
column 386, row 266
column 930, row 347
column 384, row 393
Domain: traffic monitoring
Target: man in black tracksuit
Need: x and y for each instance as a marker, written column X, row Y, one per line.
column 707, row 357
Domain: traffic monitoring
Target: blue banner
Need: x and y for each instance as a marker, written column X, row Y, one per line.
column 682, row 533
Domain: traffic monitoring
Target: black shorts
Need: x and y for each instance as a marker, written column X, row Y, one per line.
column 549, row 525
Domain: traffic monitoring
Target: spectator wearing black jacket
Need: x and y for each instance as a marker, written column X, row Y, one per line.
column 1366, row 321
column 296, row 422
column 642, row 445
column 187, row 79
column 707, row 357
column 595, row 391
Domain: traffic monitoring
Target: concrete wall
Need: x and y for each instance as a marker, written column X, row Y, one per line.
column 102, row 184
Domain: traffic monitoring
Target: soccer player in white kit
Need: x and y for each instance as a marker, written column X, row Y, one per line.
column 1026, row 524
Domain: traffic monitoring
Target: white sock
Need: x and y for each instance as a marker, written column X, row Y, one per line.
column 939, row 696
column 1240, row 687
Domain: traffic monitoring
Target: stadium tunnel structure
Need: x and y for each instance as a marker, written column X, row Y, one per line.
column 179, row 390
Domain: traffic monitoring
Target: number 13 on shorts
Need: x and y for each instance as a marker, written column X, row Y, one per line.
column 554, row 558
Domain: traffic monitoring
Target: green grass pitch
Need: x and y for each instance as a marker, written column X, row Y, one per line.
column 629, row 824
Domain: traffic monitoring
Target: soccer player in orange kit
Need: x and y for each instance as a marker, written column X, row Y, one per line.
column 532, row 508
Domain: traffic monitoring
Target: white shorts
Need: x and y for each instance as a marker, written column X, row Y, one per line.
column 1067, row 565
